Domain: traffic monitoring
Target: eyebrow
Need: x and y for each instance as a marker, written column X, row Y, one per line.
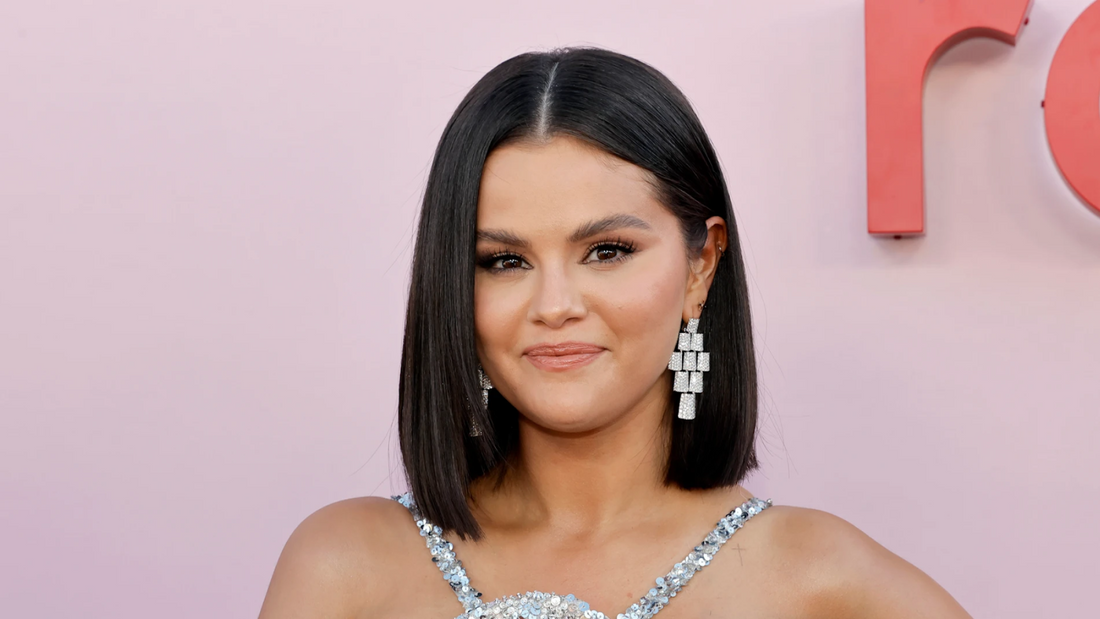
column 586, row 231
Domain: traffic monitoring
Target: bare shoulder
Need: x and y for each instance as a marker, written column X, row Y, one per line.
column 339, row 560
column 837, row 570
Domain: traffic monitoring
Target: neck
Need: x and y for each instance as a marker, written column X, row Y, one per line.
column 592, row 480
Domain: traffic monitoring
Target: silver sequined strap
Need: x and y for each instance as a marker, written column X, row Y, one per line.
column 443, row 555
column 649, row 605
column 670, row 584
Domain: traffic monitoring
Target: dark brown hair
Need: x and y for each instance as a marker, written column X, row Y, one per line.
column 632, row 111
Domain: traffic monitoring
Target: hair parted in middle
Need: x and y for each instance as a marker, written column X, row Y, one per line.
column 631, row 111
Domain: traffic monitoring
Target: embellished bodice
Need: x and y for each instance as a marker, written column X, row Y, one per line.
column 539, row 605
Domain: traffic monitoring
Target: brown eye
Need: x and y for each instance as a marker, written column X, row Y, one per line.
column 609, row 252
column 502, row 262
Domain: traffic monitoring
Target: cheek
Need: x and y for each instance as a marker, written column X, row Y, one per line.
column 497, row 310
column 640, row 307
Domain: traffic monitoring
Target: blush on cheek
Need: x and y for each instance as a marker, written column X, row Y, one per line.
column 640, row 307
column 499, row 314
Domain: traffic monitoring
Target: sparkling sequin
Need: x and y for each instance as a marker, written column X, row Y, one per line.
column 540, row 605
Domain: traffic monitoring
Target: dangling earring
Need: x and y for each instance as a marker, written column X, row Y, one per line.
column 475, row 430
column 689, row 362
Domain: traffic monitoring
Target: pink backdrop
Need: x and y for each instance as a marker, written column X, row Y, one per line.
column 205, row 233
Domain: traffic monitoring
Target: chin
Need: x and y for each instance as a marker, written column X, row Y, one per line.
column 567, row 416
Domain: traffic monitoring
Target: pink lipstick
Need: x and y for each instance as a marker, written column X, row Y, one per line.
column 563, row 356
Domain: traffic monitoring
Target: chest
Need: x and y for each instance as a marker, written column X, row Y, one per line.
column 627, row 574
column 738, row 582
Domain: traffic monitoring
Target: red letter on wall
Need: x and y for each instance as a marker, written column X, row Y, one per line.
column 1073, row 106
column 904, row 39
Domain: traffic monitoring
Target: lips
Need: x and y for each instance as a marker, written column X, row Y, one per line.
column 563, row 356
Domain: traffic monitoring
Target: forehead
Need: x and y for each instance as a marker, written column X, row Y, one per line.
column 561, row 183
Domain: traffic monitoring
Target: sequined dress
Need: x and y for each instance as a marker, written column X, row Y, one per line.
column 539, row 605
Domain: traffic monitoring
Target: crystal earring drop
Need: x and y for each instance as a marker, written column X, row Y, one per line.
column 486, row 385
column 689, row 362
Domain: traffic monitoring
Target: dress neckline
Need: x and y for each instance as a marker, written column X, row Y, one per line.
column 541, row 605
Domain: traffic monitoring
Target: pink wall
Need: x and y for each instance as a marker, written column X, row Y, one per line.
column 205, row 225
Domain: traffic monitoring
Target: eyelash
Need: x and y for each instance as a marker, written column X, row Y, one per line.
column 625, row 248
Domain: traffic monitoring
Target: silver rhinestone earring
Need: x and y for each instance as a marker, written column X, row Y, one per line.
column 689, row 362
column 475, row 430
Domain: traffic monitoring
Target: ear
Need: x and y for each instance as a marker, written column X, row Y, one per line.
column 704, row 266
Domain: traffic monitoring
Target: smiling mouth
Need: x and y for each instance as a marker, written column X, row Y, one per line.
column 562, row 357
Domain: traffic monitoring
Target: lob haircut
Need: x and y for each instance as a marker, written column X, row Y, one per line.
column 632, row 111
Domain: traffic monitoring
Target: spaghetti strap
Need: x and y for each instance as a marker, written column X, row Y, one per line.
column 443, row 555
column 539, row 605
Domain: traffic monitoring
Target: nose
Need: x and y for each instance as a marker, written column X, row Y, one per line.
column 557, row 299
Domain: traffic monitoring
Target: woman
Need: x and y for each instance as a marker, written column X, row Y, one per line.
column 578, row 388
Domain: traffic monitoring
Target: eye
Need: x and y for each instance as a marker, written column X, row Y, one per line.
column 609, row 251
column 501, row 262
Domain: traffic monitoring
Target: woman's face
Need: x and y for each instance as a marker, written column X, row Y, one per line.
column 582, row 281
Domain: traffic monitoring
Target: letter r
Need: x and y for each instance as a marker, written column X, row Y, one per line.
column 903, row 39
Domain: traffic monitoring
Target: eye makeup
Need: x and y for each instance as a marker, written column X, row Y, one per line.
column 494, row 262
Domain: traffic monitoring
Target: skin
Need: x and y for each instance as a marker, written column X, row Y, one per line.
column 585, row 511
